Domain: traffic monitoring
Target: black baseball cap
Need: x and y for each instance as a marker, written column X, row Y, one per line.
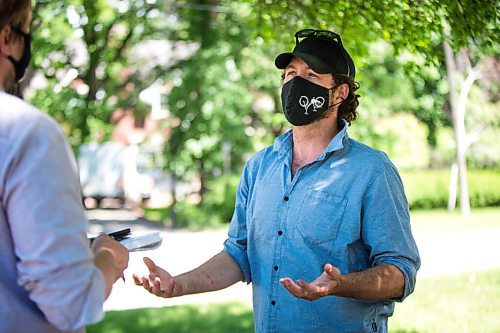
column 322, row 50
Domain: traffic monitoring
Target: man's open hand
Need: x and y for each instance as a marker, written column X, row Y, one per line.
column 159, row 282
column 320, row 287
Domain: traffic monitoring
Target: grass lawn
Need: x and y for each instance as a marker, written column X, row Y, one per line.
column 216, row 318
column 457, row 303
column 441, row 220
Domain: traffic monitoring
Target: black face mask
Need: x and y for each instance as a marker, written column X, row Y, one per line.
column 303, row 101
column 21, row 64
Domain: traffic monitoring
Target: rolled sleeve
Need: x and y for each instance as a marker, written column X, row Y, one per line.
column 386, row 227
column 409, row 270
column 239, row 256
column 236, row 244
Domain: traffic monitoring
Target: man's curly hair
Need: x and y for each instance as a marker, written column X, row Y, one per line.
column 347, row 109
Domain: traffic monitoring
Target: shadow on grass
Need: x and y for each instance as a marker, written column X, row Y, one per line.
column 216, row 318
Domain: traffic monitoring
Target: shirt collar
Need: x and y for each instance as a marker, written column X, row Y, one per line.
column 338, row 140
column 283, row 143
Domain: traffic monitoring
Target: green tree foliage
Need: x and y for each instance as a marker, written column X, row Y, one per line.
column 213, row 99
column 82, row 49
column 405, row 83
column 407, row 25
column 225, row 104
column 411, row 82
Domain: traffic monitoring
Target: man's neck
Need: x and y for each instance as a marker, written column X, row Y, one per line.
column 310, row 141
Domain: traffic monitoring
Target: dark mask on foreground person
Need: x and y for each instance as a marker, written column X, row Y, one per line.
column 21, row 64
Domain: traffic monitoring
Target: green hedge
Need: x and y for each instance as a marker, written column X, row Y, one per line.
column 427, row 189
column 217, row 207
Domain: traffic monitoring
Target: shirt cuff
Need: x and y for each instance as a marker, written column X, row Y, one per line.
column 409, row 274
column 240, row 257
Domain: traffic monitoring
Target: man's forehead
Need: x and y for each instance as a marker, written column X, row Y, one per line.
column 297, row 61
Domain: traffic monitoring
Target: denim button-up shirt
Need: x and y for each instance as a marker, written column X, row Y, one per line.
column 347, row 208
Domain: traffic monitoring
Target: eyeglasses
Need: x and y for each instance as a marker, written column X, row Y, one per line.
column 323, row 35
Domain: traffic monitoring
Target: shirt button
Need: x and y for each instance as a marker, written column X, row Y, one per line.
column 273, row 303
column 280, row 233
column 286, row 198
column 275, row 268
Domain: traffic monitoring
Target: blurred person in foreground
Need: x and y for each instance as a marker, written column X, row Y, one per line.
column 50, row 280
column 321, row 226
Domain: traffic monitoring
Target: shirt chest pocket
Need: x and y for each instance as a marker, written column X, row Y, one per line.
column 320, row 216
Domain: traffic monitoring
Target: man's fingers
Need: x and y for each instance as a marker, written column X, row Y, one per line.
column 312, row 288
column 303, row 289
column 147, row 284
column 151, row 265
column 307, row 288
column 157, row 287
column 285, row 282
column 318, row 288
column 332, row 271
column 137, row 279
column 153, row 282
column 292, row 288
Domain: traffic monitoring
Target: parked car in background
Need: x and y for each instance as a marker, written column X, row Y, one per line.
column 113, row 170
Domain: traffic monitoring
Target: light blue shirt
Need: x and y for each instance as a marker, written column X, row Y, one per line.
column 48, row 281
column 347, row 208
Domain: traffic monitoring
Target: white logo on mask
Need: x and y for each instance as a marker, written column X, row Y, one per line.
column 316, row 102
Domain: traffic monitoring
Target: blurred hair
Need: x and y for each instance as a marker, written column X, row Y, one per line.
column 13, row 12
column 347, row 109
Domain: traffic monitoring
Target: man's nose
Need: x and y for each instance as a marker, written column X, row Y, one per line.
column 302, row 73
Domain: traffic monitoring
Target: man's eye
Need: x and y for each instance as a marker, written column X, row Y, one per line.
column 312, row 75
column 290, row 74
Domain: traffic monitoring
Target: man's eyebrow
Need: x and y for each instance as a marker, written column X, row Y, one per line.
column 293, row 67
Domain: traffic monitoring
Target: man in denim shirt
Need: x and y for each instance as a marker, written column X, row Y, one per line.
column 321, row 226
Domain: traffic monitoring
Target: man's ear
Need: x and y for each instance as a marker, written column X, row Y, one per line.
column 343, row 91
column 5, row 40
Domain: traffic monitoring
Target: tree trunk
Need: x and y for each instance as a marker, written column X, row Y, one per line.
column 458, row 118
column 173, row 209
column 452, row 198
column 203, row 176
